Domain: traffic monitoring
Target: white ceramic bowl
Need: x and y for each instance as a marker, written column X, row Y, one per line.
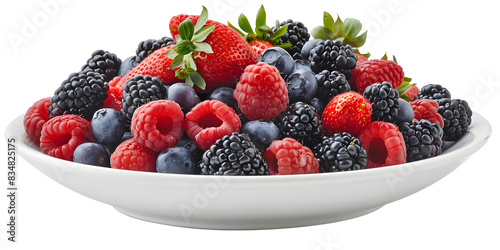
column 251, row 202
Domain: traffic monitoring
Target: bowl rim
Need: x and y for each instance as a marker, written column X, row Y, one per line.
column 480, row 130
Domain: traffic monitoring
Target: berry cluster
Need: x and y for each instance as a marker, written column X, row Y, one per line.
column 265, row 102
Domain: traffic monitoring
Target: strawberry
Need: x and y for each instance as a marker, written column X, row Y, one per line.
column 259, row 46
column 208, row 54
column 157, row 65
column 412, row 92
column 348, row 112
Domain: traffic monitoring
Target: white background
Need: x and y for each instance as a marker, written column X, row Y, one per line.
column 456, row 45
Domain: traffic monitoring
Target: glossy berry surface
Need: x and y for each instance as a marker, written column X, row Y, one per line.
column 108, row 126
column 384, row 100
column 279, row 58
column 91, row 153
column 127, row 65
column 433, row 92
column 423, row 139
column 175, row 160
column 340, row 152
column 300, row 122
column 184, row 95
column 261, row 133
column 405, row 113
column 348, row 112
column 225, row 95
column 301, row 85
column 457, row 117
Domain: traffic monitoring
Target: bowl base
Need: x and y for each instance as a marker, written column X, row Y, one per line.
column 254, row 224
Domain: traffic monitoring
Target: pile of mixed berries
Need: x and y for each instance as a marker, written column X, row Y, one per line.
column 214, row 99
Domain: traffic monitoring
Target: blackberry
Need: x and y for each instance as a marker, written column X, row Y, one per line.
column 233, row 154
column 457, row 117
column 384, row 100
column 300, row 122
column 105, row 63
column 423, row 139
column 296, row 35
column 331, row 84
column 139, row 91
column 146, row 47
column 81, row 94
column 333, row 56
column 341, row 152
column 433, row 92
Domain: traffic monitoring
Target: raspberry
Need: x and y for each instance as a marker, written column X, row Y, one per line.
column 384, row 144
column 361, row 58
column 261, row 92
column 114, row 99
column 288, row 156
column 158, row 125
column 428, row 110
column 209, row 121
column 61, row 135
column 373, row 71
column 35, row 117
column 348, row 112
column 131, row 155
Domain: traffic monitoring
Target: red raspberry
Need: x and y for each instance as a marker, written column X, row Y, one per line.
column 209, row 121
column 361, row 58
column 428, row 110
column 261, row 93
column 158, row 125
column 288, row 156
column 62, row 134
column 35, row 117
column 348, row 112
column 114, row 99
column 412, row 92
column 131, row 155
column 373, row 71
column 384, row 144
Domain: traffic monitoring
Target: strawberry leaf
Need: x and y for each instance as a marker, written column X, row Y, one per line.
column 328, row 21
column 245, row 25
column 202, row 20
column 171, row 54
column 352, row 27
column 186, row 29
column 184, row 47
column 203, row 47
column 338, row 28
column 237, row 30
column 322, row 32
column 280, row 32
column 358, row 41
column 195, row 78
column 189, row 62
column 260, row 20
column 202, row 34
column 177, row 62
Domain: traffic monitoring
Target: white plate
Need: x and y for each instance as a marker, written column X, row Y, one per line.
column 251, row 202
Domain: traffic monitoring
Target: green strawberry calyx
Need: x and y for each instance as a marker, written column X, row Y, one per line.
column 261, row 32
column 190, row 40
column 347, row 30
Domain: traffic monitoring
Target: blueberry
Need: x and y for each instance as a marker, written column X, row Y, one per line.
column 302, row 86
column 184, row 95
column 91, row 153
column 302, row 64
column 319, row 105
column 108, row 126
column 279, row 58
column 304, row 53
column 175, row 160
column 405, row 113
column 127, row 66
column 187, row 143
column 261, row 133
column 225, row 95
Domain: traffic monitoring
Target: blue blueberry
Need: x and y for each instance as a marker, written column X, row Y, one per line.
column 108, row 126
column 302, row 86
column 127, row 66
column 405, row 113
column 261, row 133
column 175, row 160
column 187, row 143
column 319, row 105
column 304, row 53
column 302, row 64
column 225, row 95
column 279, row 58
column 184, row 95
column 91, row 153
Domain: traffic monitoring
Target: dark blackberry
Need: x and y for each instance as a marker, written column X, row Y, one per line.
column 296, row 35
column 433, row 92
column 333, row 56
column 457, row 117
column 331, row 84
column 423, row 139
column 341, row 152
column 105, row 63
column 146, row 47
column 139, row 91
column 384, row 100
column 233, row 154
column 300, row 122
column 81, row 94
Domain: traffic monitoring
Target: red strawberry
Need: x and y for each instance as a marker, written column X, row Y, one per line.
column 259, row 46
column 114, row 99
column 210, row 54
column 412, row 92
column 157, row 65
column 384, row 144
column 348, row 112
column 373, row 71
